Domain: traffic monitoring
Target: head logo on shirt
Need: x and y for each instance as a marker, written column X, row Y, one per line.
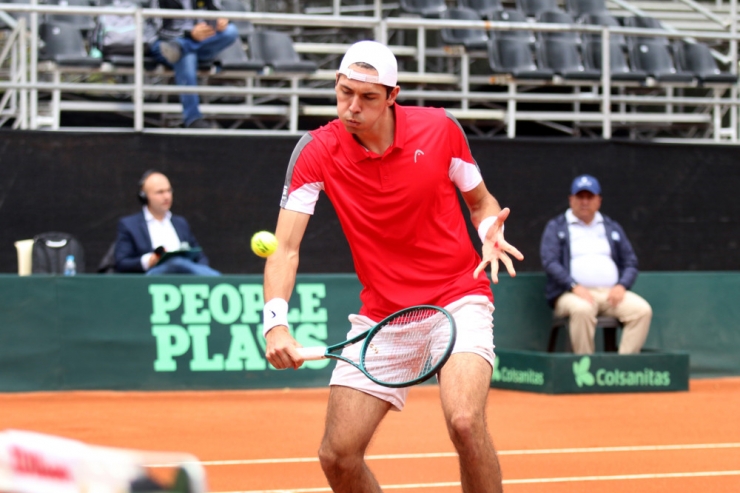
column 418, row 153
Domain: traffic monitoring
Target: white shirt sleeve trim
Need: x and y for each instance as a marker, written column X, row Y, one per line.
column 304, row 199
column 466, row 176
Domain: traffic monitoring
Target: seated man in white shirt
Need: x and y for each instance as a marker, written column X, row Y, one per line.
column 591, row 266
column 145, row 236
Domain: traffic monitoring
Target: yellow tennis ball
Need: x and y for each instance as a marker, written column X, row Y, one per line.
column 264, row 243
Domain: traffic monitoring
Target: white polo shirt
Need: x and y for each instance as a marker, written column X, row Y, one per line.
column 591, row 263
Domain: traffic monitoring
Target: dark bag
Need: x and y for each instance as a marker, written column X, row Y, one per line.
column 50, row 251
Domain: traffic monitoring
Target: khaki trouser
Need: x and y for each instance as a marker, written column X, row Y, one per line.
column 633, row 311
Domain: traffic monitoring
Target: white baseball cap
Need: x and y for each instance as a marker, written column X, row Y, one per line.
column 373, row 53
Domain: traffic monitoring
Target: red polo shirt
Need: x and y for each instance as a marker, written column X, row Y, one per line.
column 399, row 211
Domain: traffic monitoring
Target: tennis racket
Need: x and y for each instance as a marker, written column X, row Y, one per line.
column 404, row 349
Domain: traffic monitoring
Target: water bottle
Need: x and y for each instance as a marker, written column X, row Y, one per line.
column 70, row 268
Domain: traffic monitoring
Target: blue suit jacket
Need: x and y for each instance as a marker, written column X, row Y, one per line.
column 555, row 256
column 133, row 241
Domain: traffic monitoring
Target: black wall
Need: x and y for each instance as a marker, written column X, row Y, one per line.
column 678, row 203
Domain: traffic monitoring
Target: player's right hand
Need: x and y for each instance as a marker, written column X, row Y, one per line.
column 280, row 351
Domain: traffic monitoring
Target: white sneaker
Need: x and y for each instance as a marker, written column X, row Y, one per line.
column 171, row 51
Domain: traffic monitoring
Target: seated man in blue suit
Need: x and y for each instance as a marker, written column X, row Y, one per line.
column 144, row 237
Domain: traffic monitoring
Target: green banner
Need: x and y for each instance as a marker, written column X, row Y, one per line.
column 558, row 373
column 187, row 332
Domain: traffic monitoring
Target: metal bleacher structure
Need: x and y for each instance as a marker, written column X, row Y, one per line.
column 662, row 70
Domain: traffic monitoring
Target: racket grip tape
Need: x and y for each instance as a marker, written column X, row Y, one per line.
column 312, row 353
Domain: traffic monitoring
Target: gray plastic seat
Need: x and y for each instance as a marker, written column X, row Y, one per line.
column 558, row 17
column 697, row 59
column 533, row 8
column 512, row 16
column 84, row 23
column 243, row 27
column 484, row 8
column 276, row 50
column 563, row 58
column 618, row 66
column 234, row 57
column 471, row 39
column 603, row 19
column 64, row 45
column 655, row 60
column 515, row 57
column 644, row 22
column 578, row 8
column 424, row 8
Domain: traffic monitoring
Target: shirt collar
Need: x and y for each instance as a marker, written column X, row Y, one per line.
column 148, row 217
column 357, row 152
column 572, row 219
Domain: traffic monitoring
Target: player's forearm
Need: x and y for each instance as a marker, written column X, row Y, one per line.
column 280, row 275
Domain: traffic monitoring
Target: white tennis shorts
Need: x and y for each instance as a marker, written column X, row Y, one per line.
column 474, row 319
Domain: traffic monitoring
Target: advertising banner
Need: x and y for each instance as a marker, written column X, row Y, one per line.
column 557, row 373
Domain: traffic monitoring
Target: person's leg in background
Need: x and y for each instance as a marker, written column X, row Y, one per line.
column 186, row 74
column 181, row 265
column 635, row 314
column 581, row 321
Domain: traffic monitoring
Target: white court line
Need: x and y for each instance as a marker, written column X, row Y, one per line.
column 621, row 477
column 583, row 450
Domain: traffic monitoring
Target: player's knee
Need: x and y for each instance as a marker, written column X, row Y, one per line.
column 335, row 459
column 464, row 426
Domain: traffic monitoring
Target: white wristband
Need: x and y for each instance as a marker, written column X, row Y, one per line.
column 484, row 226
column 275, row 313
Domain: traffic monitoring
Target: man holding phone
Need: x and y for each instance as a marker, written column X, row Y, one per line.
column 181, row 44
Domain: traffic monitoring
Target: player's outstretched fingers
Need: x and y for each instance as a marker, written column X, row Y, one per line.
column 508, row 263
column 481, row 267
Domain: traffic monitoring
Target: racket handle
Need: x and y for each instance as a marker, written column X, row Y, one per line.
column 312, row 353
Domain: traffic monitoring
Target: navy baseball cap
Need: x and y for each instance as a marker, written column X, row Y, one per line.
column 587, row 183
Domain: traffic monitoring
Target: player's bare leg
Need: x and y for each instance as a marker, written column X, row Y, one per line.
column 464, row 385
column 351, row 420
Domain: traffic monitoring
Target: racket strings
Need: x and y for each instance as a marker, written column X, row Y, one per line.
column 408, row 346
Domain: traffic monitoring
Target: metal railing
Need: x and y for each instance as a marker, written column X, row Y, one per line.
column 25, row 89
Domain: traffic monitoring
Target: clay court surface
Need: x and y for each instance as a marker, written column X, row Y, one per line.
column 253, row 441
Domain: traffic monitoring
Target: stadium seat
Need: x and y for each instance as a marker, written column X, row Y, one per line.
column 513, row 16
column 245, row 28
column 644, row 22
column 424, row 8
column 514, row 57
column 471, row 39
column 655, row 60
column 510, row 52
column 276, row 50
column 603, row 19
column 559, row 51
column 697, row 59
column 485, row 8
column 533, row 8
column 608, row 324
column 563, row 58
column 235, row 58
column 84, row 23
column 619, row 68
column 64, row 45
column 578, row 8
column 558, row 17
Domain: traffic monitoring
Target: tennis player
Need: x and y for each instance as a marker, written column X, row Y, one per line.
column 391, row 173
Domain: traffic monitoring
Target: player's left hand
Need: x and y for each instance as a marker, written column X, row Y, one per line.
column 496, row 248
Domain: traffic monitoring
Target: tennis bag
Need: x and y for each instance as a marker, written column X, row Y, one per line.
column 115, row 34
column 50, row 251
